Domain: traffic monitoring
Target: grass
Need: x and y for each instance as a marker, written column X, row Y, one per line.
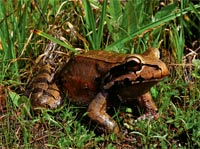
column 26, row 27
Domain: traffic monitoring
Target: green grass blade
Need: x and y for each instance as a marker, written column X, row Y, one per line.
column 8, row 53
column 115, row 10
column 134, row 16
column 49, row 37
column 114, row 21
column 165, row 11
column 150, row 26
column 90, row 23
column 101, row 25
column 42, row 8
column 194, row 10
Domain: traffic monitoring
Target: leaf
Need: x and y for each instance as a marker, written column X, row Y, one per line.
column 15, row 98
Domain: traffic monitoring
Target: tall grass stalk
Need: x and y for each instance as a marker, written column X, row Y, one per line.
column 152, row 25
column 8, row 36
column 94, row 31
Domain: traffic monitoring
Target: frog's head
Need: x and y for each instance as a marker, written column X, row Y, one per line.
column 146, row 68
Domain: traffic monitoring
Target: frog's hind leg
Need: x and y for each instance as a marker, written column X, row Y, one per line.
column 42, row 91
column 97, row 112
column 147, row 102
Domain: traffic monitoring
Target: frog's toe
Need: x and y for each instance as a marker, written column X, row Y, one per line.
column 149, row 116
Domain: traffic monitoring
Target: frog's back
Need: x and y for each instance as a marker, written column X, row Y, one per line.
column 81, row 77
column 105, row 56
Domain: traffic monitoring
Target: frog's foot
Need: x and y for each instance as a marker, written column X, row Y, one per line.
column 149, row 116
column 147, row 102
column 97, row 112
column 47, row 98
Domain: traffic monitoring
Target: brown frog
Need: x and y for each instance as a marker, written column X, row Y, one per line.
column 98, row 77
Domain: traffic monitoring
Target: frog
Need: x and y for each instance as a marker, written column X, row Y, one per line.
column 98, row 78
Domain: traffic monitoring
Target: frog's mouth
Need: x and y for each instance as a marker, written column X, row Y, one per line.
column 142, row 80
column 131, row 79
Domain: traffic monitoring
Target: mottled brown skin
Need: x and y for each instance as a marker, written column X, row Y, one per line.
column 98, row 77
column 42, row 90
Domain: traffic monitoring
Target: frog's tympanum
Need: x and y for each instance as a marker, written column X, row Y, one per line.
column 97, row 78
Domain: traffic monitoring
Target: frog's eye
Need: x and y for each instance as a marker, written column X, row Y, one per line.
column 133, row 64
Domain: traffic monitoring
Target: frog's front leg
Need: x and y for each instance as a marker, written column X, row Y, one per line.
column 97, row 112
column 147, row 102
